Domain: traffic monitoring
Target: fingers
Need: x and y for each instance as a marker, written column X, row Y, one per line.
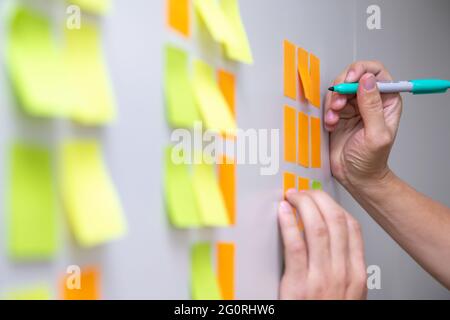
column 359, row 68
column 334, row 102
column 370, row 106
column 294, row 244
column 316, row 231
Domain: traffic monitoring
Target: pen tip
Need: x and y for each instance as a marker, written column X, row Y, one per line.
column 331, row 88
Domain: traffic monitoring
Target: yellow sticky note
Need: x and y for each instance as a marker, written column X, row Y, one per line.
column 316, row 156
column 303, row 139
column 303, row 184
column 213, row 106
column 32, row 212
column 90, row 199
column 290, row 133
column 209, row 197
column 204, row 284
column 37, row 292
column 225, row 269
column 309, row 71
column 35, row 66
column 93, row 6
column 89, row 285
column 179, row 16
column 181, row 106
column 237, row 47
column 214, row 19
column 179, row 192
column 87, row 77
column 290, row 73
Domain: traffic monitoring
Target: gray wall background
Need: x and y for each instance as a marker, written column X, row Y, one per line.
column 153, row 260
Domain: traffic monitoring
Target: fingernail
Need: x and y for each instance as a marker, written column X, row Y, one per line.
column 350, row 76
column 330, row 116
column 285, row 207
column 370, row 83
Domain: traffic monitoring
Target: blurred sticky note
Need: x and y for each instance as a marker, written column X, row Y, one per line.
column 309, row 71
column 214, row 19
column 84, row 286
column 88, row 194
column 288, row 182
column 303, row 139
column 237, row 47
column 213, row 106
column 87, row 77
column 34, row 64
column 37, row 292
column 179, row 15
column 181, row 107
column 303, row 184
column 227, row 181
column 209, row 197
column 316, row 157
column 290, row 71
column 290, row 134
column 179, row 193
column 225, row 269
column 32, row 220
column 227, row 85
column 204, row 284
column 93, row 6
column 316, row 185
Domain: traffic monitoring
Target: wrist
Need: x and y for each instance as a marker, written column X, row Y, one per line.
column 383, row 181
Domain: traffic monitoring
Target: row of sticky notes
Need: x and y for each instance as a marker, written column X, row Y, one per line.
column 49, row 80
column 299, row 64
column 222, row 20
column 298, row 129
column 89, row 197
column 77, row 286
column 198, row 97
column 207, row 284
column 290, row 181
column 194, row 197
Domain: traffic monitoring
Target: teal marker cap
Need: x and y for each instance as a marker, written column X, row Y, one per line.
column 427, row 86
column 347, row 88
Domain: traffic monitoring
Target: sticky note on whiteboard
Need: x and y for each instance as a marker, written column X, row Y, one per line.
column 204, row 283
column 36, row 292
column 214, row 19
column 179, row 16
column 89, row 196
column 81, row 286
column 93, row 6
column 32, row 205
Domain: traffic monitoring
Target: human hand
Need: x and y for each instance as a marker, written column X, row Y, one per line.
column 363, row 127
column 327, row 262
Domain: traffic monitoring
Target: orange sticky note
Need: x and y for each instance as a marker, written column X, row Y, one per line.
column 309, row 72
column 303, row 184
column 227, row 182
column 178, row 16
column 290, row 73
column 84, row 286
column 288, row 182
column 225, row 269
column 227, row 85
column 316, row 159
column 290, row 132
column 303, row 140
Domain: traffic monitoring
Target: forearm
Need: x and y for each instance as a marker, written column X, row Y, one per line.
column 419, row 224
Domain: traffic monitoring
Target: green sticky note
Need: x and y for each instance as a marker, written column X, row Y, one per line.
column 32, row 216
column 89, row 196
column 204, row 284
column 35, row 66
column 87, row 77
column 179, row 193
column 237, row 47
column 93, row 6
column 38, row 292
column 316, row 185
column 211, row 102
column 181, row 108
column 209, row 197
column 214, row 19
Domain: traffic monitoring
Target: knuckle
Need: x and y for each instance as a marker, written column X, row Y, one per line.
column 378, row 64
column 382, row 140
column 295, row 248
column 337, row 216
column 320, row 231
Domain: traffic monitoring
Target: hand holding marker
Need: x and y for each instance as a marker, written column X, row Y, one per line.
column 420, row 86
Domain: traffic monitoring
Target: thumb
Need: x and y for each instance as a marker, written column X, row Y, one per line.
column 370, row 105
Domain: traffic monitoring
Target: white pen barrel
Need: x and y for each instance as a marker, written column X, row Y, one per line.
column 394, row 87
